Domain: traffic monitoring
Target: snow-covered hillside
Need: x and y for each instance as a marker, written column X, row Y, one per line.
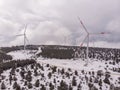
column 60, row 74
column 41, row 76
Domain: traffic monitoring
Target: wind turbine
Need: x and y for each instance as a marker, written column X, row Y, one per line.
column 87, row 38
column 25, row 37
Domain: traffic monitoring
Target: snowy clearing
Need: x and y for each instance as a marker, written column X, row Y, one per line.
column 21, row 54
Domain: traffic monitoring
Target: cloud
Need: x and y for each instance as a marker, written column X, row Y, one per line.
column 56, row 22
column 49, row 31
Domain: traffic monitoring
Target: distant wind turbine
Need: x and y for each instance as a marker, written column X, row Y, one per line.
column 25, row 37
column 87, row 38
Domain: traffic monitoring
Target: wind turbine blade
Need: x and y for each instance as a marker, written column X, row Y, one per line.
column 105, row 33
column 25, row 28
column 100, row 33
column 83, row 41
column 19, row 35
column 83, row 25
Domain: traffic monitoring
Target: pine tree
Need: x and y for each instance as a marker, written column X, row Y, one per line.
column 29, row 85
column 62, row 71
column 12, row 71
column 112, row 87
column 83, row 72
column 18, row 87
column 54, row 81
column 3, row 86
column 10, row 79
column 15, row 85
column 29, row 77
column 70, row 87
column 96, row 80
column 100, row 73
column 47, row 65
column 42, row 68
column 106, row 80
column 49, row 75
column 69, row 70
column 22, row 73
column 1, row 71
column 93, row 88
column 91, row 79
column 51, row 86
column 79, row 87
column 37, row 83
column 32, row 66
column 35, row 72
column 58, row 71
column 89, row 73
column 86, row 78
column 93, row 73
column 14, row 78
column 74, row 83
column 76, row 73
column 90, row 85
column 17, row 70
column 63, row 86
column 43, row 87
column 54, row 69
column 25, row 83
column 100, row 83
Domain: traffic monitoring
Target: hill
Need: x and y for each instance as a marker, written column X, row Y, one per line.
column 54, row 67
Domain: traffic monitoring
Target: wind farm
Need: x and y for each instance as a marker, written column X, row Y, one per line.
column 43, row 46
column 94, row 65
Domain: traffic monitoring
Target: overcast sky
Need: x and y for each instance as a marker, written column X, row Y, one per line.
column 56, row 21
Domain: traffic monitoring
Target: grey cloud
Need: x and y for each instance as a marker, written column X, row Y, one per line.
column 52, row 21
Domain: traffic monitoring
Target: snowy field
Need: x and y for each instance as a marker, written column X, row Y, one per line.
column 54, row 74
column 21, row 54
column 78, row 64
column 70, row 72
column 75, row 64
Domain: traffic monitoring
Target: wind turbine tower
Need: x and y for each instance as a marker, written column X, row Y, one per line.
column 25, row 37
column 87, row 38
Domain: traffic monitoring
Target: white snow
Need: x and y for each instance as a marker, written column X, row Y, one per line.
column 79, row 65
column 39, row 50
column 21, row 54
column 75, row 64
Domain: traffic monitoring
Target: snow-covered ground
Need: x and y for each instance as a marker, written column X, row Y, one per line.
column 64, row 72
column 79, row 64
column 74, row 64
column 21, row 54
column 86, row 74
